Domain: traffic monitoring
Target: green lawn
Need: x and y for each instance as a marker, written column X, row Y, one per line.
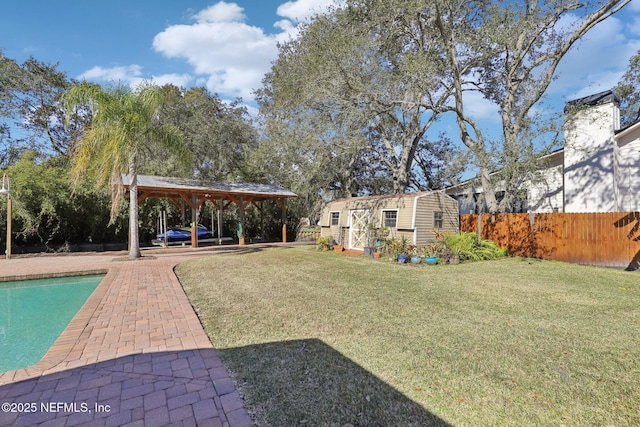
column 316, row 338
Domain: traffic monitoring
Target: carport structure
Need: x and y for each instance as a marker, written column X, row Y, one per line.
column 195, row 192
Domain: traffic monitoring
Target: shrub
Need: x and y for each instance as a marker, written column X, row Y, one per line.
column 467, row 245
column 323, row 242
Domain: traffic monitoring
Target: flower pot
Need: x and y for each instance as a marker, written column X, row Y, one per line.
column 338, row 248
column 455, row 259
column 377, row 255
column 415, row 259
column 368, row 251
column 402, row 259
column 431, row 260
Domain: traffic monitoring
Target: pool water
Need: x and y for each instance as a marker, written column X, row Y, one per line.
column 33, row 313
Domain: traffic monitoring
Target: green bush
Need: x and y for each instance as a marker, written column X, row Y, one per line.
column 468, row 246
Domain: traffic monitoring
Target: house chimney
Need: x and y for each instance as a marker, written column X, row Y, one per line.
column 589, row 153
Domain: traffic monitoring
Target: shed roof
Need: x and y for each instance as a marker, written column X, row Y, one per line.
column 386, row 196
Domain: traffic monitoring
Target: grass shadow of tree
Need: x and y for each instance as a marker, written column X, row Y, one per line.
column 307, row 382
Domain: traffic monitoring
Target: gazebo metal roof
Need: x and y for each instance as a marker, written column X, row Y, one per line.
column 184, row 188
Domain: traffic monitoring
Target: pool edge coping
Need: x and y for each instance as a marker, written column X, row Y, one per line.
column 72, row 333
column 53, row 275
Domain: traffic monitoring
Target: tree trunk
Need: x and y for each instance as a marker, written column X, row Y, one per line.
column 400, row 180
column 403, row 169
column 134, row 239
column 488, row 191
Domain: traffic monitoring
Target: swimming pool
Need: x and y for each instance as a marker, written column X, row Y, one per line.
column 33, row 313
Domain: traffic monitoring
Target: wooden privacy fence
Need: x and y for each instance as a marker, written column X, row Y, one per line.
column 609, row 239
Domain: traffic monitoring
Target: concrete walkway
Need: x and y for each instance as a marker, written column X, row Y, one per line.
column 134, row 355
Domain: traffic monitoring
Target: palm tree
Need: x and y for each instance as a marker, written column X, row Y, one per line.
column 124, row 123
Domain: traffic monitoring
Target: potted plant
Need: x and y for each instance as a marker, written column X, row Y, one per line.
column 415, row 254
column 400, row 250
column 455, row 255
column 430, row 254
column 370, row 238
column 338, row 246
column 382, row 244
column 390, row 247
column 323, row 243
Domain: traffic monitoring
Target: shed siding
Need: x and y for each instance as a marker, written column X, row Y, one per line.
column 425, row 226
column 424, row 222
column 404, row 205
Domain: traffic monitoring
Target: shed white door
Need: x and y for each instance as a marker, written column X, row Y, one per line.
column 358, row 220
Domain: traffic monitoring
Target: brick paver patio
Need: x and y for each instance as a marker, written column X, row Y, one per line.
column 134, row 355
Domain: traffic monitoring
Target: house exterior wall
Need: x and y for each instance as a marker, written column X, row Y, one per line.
column 465, row 196
column 597, row 171
column 589, row 159
column 628, row 171
column 545, row 192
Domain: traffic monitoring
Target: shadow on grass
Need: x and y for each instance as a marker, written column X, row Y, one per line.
column 306, row 382
column 257, row 247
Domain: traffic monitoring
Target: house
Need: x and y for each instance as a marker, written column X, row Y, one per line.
column 413, row 215
column 598, row 170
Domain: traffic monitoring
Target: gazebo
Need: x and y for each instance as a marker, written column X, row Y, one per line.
column 195, row 192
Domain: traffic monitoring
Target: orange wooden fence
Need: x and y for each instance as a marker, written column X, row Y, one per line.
column 608, row 239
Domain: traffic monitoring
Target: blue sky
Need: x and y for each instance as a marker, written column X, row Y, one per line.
column 228, row 46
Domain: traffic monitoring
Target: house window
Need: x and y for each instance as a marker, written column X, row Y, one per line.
column 437, row 219
column 390, row 218
column 335, row 218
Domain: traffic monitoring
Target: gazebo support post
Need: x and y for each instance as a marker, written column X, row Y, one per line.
column 194, row 222
column 283, row 205
column 220, row 207
column 262, row 235
column 241, row 205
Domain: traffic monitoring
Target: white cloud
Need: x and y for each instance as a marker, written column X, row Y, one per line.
column 180, row 80
column 481, row 110
column 634, row 26
column 300, row 10
column 232, row 55
column 221, row 46
column 131, row 75
column 118, row 74
column 597, row 62
column 221, row 12
column 289, row 30
column 633, row 6
column 227, row 55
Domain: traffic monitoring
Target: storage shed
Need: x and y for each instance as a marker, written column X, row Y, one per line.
column 413, row 215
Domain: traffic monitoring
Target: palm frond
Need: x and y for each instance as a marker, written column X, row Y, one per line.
column 123, row 124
